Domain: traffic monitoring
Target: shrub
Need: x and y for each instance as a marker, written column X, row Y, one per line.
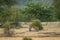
column 25, row 23
column 26, row 38
column 17, row 25
column 7, row 29
column 36, row 24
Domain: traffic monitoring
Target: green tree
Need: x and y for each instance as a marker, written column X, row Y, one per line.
column 8, row 2
column 5, row 10
column 6, row 14
column 56, row 4
column 38, row 11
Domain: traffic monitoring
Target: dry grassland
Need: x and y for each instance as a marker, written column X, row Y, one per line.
column 22, row 32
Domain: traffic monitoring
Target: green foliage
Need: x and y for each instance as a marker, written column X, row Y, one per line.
column 57, row 4
column 8, row 2
column 26, row 38
column 6, row 15
column 36, row 24
column 6, row 12
column 7, row 29
column 57, row 7
column 39, row 11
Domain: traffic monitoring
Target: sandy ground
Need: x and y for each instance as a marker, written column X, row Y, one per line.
column 19, row 38
column 50, row 27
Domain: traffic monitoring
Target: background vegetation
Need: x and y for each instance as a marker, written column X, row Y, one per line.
column 10, row 13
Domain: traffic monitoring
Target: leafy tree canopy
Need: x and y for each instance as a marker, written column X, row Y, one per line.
column 38, row 11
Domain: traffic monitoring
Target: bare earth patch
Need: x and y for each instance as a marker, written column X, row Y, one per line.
column 19, row 38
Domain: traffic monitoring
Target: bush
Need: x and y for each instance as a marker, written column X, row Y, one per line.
column 7, row 29
column 36, row 24
column 26, row 38
column 25, row 23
